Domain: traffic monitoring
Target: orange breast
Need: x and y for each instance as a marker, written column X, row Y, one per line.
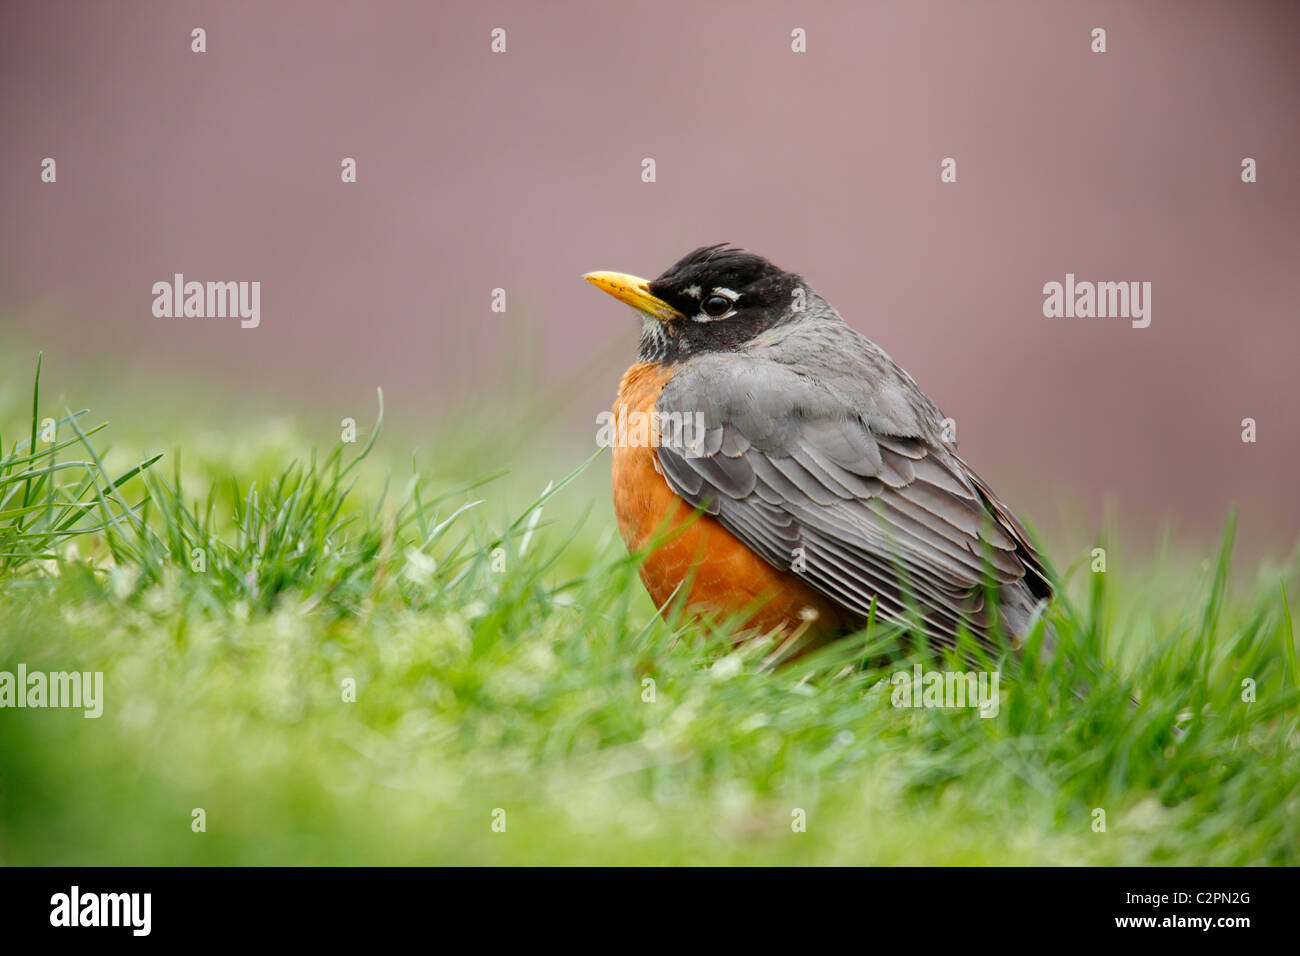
column 727, row 576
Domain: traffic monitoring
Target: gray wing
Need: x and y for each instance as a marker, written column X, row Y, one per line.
column 849, row 495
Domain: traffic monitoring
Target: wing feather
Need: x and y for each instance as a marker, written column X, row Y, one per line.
column 857, row 505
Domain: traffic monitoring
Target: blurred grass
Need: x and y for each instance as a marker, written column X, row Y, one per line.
column 500, row 656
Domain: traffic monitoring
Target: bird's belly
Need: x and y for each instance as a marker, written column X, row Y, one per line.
column 725, row 576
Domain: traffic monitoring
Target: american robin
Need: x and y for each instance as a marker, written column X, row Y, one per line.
column 794, row 473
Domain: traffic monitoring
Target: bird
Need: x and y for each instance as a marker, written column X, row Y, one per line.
column 794, row 475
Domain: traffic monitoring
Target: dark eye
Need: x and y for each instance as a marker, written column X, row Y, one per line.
column 716, row 305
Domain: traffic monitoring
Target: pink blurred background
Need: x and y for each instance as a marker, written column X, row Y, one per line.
column 522, row 171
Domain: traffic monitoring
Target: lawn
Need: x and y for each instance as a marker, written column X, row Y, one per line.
column 350, row 656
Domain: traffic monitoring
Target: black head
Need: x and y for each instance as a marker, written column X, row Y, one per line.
column 715, row 299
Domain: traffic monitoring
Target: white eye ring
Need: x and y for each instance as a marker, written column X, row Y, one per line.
column 727, row 296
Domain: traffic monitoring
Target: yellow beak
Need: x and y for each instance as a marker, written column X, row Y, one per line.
column 635, row 292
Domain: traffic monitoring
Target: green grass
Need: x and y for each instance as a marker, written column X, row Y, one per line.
column 502, row 660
